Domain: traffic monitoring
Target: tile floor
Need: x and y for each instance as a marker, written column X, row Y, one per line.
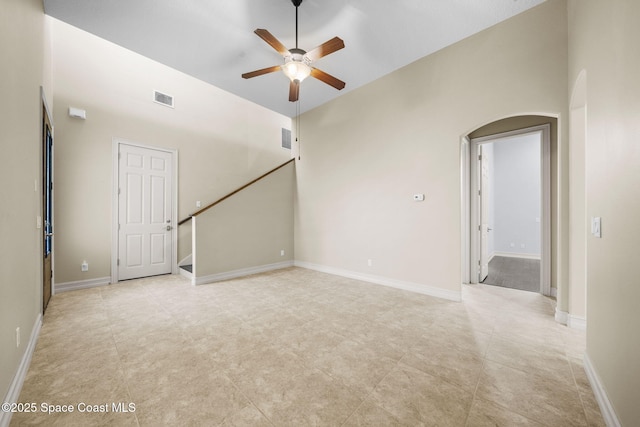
column 297, row 347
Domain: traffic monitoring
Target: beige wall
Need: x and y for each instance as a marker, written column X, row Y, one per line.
column 577, row 197
column 22, row 72
column 365, row 154
column 604, row 41
column 223, row 141
column 249, row 229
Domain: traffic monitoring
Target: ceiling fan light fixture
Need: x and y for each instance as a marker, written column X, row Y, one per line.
column 296, row 66
column 296, row 70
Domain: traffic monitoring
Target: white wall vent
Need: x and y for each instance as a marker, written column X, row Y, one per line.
column 163, row 98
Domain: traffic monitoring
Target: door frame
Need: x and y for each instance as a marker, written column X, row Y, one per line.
column 45, row 114
column 483, row 203
column 115, row 206
column 470, row 200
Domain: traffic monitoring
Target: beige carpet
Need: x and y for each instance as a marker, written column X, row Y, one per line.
column 296, row 348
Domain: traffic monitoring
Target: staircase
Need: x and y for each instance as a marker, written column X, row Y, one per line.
column 249, row 230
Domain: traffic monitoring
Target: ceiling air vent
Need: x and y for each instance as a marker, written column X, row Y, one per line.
column 163, row 98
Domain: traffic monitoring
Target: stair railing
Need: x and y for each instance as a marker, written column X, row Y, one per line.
column 206, row 208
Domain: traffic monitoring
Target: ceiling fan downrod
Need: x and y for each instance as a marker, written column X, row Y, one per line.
column 296, row 3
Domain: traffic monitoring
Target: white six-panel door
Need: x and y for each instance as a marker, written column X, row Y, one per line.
column 144, row 212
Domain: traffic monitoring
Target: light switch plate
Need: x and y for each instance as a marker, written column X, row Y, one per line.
column 595, row 226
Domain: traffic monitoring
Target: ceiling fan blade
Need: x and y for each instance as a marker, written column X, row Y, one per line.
column 257, row 73
column 325, row 49
column 327, row 78
column 294, row 90
column 273, row 42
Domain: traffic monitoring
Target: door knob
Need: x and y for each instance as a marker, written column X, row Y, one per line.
column 169, row 228
column 489, row 228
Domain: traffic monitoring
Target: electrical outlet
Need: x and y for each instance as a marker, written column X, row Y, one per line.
column 369, row 262
column 282, row 252
column 198, row 204
column 18, row 337
column 84, row 266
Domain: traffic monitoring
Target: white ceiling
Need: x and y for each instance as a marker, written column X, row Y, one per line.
column 213, row 40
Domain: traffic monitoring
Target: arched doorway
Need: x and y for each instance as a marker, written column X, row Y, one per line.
column 473, row 229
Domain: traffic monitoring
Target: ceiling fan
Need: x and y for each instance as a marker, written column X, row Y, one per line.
column 297, row 62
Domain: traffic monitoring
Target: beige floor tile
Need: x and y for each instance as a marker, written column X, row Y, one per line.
column 446, row 360
column 247, row 416
column 265, row 373
column 589, row 402
column 470, row 340
column 76, row 419
column 533, row 329
column 529, row 358
column 72, row 372
column 299, row 347
column 80, row 395
column 371, row 415
column 540, row 398
column 355, row 365
column 204, row 400
column 488, row 414
column 312, row 398
column 575, row 343
column 310, row 341
column 226, row 345
column 464, row 317
column 417, row 398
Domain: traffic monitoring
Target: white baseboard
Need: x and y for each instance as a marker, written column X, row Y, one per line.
column 185, row 273
column 227, row 275
column 385, row 281
column 571, row 321
column 577, row 322
column 608, row 413
column 81, row 284
column 562, row 317
column 517, row 255
column 13, row 394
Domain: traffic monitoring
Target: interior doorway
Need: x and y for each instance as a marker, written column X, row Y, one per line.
column 518, row 246
column 510, row 211
column 145, row 209
column 47, row 206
